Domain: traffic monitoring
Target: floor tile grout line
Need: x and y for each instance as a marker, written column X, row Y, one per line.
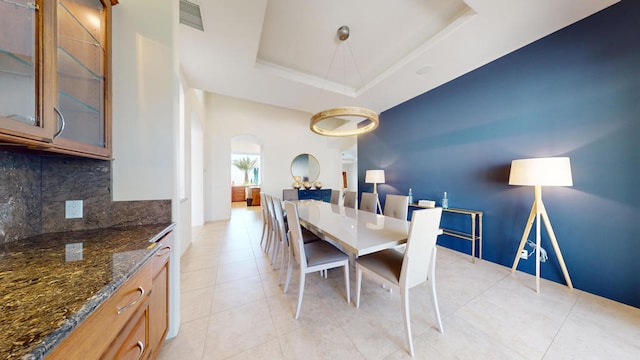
column 564, row 321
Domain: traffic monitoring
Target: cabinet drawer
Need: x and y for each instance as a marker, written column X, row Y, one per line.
column 162, row 255
column 92, row 337
column 132, row 343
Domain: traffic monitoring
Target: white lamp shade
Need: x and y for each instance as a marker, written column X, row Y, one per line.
column 551, row 171
column 374, row 177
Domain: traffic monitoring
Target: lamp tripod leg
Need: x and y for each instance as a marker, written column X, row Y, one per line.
column 556, row 248
column 523, row 241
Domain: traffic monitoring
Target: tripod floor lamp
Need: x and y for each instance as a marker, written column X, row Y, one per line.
column 539, row 172
column 375, row 177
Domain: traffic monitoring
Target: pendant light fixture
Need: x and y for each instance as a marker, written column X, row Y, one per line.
column 344, row 114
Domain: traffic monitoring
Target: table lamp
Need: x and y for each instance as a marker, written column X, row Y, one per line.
column 539, row 172
column 375, row 177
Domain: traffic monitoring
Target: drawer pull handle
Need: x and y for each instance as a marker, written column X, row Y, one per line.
column 165, row 252
column 140, row 345
column 122, row 309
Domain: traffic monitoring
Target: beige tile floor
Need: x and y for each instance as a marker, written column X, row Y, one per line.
column 233, row 308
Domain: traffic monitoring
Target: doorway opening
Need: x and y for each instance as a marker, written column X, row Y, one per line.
column 245, row 172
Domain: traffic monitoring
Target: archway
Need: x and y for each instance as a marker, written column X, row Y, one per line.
column 245, row 170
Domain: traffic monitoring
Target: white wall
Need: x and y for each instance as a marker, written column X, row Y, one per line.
column 145, row 107
column 197, row 171
column 352, row 175
column 284, row 133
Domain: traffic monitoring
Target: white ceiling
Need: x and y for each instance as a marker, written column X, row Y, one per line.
column 280, row 52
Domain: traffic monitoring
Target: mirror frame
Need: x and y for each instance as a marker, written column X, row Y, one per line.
column 310, row 158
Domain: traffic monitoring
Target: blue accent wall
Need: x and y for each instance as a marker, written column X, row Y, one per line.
column 574, row 93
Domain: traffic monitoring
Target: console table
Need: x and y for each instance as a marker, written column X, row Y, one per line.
column 476, row 224
column 317, row 194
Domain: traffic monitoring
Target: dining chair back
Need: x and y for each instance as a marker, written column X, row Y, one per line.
column 312, row 257
column 405, row 271
column 279, row 234
column 396, row 206
column 335, row 197
column 265, row 219
column 369, row 202
column 350, row 199
column 289, row 194
column 269, row 246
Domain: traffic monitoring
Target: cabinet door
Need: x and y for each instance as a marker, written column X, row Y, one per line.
column 82, row 73
column 159, row 296
column 20, row 70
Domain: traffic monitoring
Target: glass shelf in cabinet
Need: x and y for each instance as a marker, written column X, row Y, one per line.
column 74, row 104
column 15, row 64
column 68, row 64
column 79, row 31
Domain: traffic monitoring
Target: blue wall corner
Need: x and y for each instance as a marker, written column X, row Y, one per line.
column 575, row 93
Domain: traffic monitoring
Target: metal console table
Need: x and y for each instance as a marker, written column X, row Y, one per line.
column 476, row 223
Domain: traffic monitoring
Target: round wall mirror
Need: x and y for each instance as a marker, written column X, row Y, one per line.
column 305, row 167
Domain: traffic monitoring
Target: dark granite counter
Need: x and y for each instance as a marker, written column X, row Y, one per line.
column 50, row 283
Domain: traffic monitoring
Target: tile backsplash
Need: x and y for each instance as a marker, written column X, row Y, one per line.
column 34, row 188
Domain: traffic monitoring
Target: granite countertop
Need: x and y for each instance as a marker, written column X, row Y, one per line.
column 50, row 283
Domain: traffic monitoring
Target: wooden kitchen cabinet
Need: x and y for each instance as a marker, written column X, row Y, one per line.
column 109, row 326
column 159, row 297
column 133, row 322
column 131, row 343
column 55, row 75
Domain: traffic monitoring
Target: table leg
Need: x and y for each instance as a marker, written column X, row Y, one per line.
column 473, row 238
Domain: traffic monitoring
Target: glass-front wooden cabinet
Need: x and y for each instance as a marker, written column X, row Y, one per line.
column 55, row 75
column 20, row 71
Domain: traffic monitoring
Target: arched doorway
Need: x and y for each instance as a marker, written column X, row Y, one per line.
column 245, row 171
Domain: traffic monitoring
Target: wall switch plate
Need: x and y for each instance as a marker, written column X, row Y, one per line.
column 524, row 254
column 73, row 209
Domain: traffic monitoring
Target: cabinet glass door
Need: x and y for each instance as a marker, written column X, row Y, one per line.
column 18, row 75
column 81, row 70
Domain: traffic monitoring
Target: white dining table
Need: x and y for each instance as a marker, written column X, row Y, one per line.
column 356, row 231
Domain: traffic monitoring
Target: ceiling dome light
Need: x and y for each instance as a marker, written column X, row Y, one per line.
column 345, row 114
column 331, row 122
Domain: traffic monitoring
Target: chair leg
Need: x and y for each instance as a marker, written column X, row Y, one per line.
column 289, row 270
column 276, row 252
column 262, row 238
column 300, row 293
column 288, row 253
column 404, row 294
column 358, row 284
column 346, row 282
column 434, row 296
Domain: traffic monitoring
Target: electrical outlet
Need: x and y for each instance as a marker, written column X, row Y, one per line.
column 73, row 252
column 524, row 254
column 73, row 209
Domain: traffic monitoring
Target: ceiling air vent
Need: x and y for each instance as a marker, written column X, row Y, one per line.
column 190, row 15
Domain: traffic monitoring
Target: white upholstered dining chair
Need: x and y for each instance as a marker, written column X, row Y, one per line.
column 335, row 197
column 404, row 271
column 289, row 194
column 396, row 206
column 350, row 198
column 284, row 242
column 312, row 257
column 369, row 202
